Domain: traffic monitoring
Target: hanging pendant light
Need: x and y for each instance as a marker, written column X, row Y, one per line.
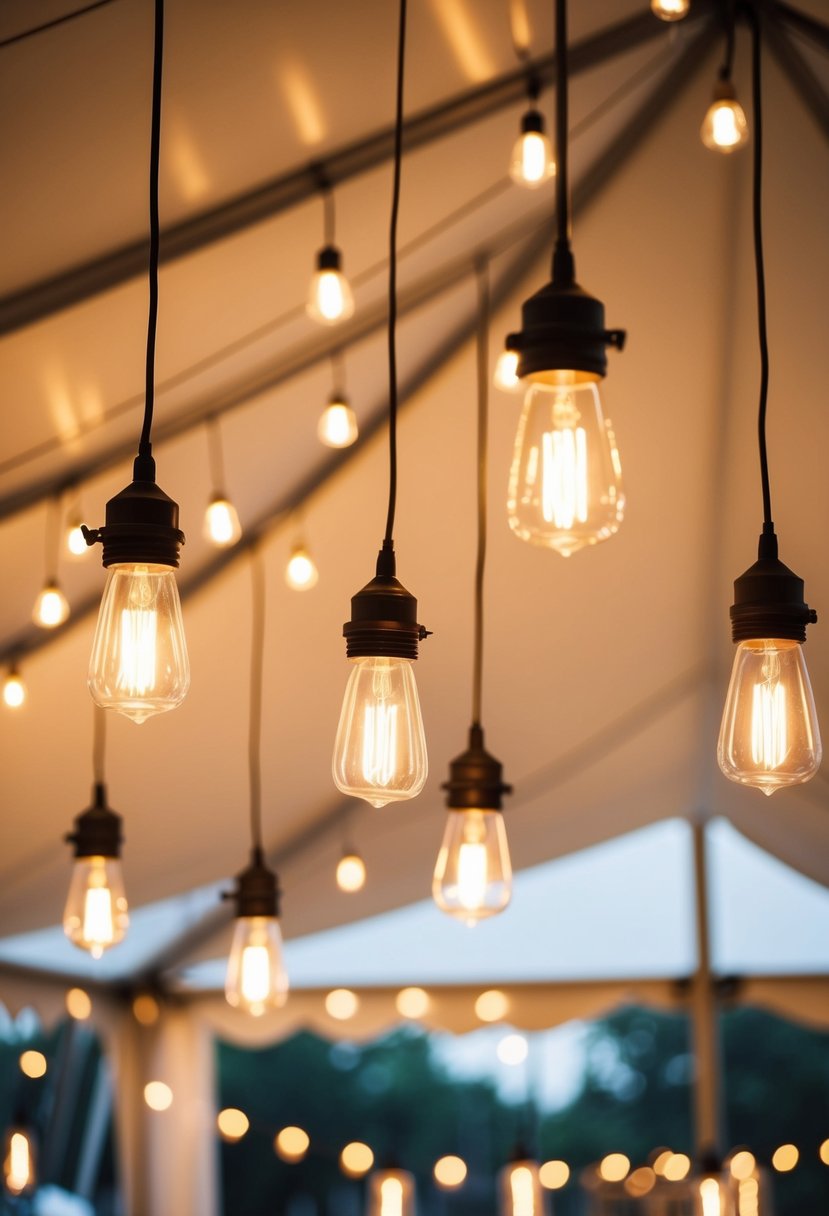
column 301, row 573
column 520, row 1186
column 337, row 427
column 51, row 608
column 380, row 748
column 711, row 1188
column 724, row 128
column 391, row 1192
column 74, row 540
column 532, row 164
column 19, row 1174
column 505, row 376
column 139, row 664
column 330, row 300
column 351, row 871
column 670, row 10
column 473, row 874
column 14, row 690
column 565, row 488
column 221, row 519
column 769, row 735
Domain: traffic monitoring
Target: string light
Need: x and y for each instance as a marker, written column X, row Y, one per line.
column 291, row 1144
column 450, row 1172
column 233, row 1124
column 158, row 1095
column 520, row 1187
column 505, row 376
column 356, row 1159
column 301, row 573
column 76, row 545
column 341, row 1004
column 531, row 163
column 670, row 10
column 351, row 872
column 492, row 1005
column 78, row 1004
column 391, row 1192
column 785, row 1158
column 337, row 427
column 724, row 128
column 330, row 299
column 14, row 690
column 33, row 1064
column 553, row 1175
column 19, row 1160
column 51, row 608
column 412, row 1002
column 221, row 519
column 614, row 1167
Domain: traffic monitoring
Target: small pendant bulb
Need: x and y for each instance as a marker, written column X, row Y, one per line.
column 96, row 916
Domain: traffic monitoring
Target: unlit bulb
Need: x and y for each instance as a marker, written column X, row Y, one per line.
column 51, row 607
column 18, row 1164
column 337, row 426
column 670, row 10
column 96, row 914
column 301, row 573
column 532, row 161
column 380, row 748
column 505, row 376
column 221, row 523
column 565, row 485
column 769, row 735
column 473, row 874
column 14, row 691
column 139, row 664
column 351, row 873
column 724, row 128
column 521, row 1193
column 256, row 978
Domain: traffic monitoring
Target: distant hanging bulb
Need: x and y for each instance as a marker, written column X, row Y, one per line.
column 473, row 875
column 532, row 161
column 96, row 915
column 19, row 1161
column 670, row 10
column 505, row 376
column 14, row 690
column 565, row 486
column 391, row 1192
column 351, row 872
column 329, row 298
column 221, row 522
column 521, row 1193
column 51, row 607
column 724, row 128
column 76, row 544
column 256, row 979
column 301, row 573
column 337, row 426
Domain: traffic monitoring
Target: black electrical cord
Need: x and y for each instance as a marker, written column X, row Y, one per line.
column 482, row 352
column 51, row 539
column 328, row 216
column 562, row 184
column 388, row 540
column 759, row 266
column 215, row 455
column 257, row 655
column 50, row 25
column 145, row 445
column 730, row 23
column 99, row 738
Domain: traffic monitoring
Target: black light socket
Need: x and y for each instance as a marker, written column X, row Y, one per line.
column 768, row 599
column 329, row 258
column 383, row 616
column 710, row 1163
column 475, row 778
column 141, row 522
column 532, row 123
column 98, row 829
column 257, row 889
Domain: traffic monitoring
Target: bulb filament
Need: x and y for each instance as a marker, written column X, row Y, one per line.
column 256, row 977
column 769, row 736
column 18, row 1169
column 391, row 1197
column 522, row 1192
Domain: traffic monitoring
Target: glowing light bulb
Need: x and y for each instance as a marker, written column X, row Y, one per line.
column 301, row 573
column 506, row 372
column 521, row 1189
column 565, row 485
column 769, row 735
column 256, row 978
column 380, row 748
column 473, row 875
column 724, row 128
column 76, row 544
column 391, row 1193
column 351, row 872
column 337, row 427
column 18, row 1163
column 221, row 523
column 532, row 161
column 712, row 1198
column 329, row 297
column 670, row 10
column 51, row 607
column 96, row 915
column 139, row 662
column 14, row 690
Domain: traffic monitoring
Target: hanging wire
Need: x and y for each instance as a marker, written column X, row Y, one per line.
column 145, row 445
column 337, row 362
column 759, row 266
column 328, row 215
column 562, row 187
column 728, row 61
column 99, row 743
column 50, row 25
column 388, row 541
column 482, row 351
column 215, row 453
column 51, row 540
column 257, row 655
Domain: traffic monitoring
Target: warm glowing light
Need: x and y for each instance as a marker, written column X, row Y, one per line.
column 473, row 873
column 96, row 915
column 139, row 664
column 18, row 1167
column 14, row 691
column 145, row 1009
column 677, row 1167
column 614, row 1167
column 232, row 1123
column 292, row 1143
column 301, row 573
column 76, row 545
column 356, row 1159
column 748, row 1197
column 565, row 489
column 521, row 1189
column 51, row 607
column 380, row 749
column 221, row 523
column 641, row 1181
column 78, row 1004
column 492, row 1005
column 712, row 1198
column 553, row 1175
column 769, row 736
column 824, row 1152
column 670, row 10
column 512, row 1049
column 337, row 427
column 342, row 1004
column 506, row 372
column 742, row 1164
column 256, row 979
column 724, row 128
column 532, row 161
column 158, row 1096
column 351, row 873
column 661, row 1160
column 33, row 1063
column 785, row 1158
column 329, row 297
column 450, row 1172
column 391, row 1193
column 412, row 1002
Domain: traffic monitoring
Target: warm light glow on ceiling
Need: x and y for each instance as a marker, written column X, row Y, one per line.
column 553, row 1175
column 356, row 1159
column 492, row 1006
column 412, row 1002
column 292, row 1143
column 232, row 1123
column 158, row 1096
column 450, row 1172
column 33, row 1064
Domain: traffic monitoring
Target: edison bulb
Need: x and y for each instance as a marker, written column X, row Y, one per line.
column 724, row 128
column 221, row 523
column 391, row 1193
column 521, row 1193
column 380, row 748
column 506, row 371
column 329, row 297
column 337, row 426
column 712, row 1197
column 473, row 874
column 301, row 573
column 565, row 485
column 51, row 607
column 14, row 690
column 351, row 873
column 670, row 10
column 256, row 978
column 76, row 544
column 96, row 914
column 769, row 735
column 139, row 662
column 19, row 1163
column 532, row 161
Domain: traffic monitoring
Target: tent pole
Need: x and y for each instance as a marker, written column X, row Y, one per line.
column 704, row 1014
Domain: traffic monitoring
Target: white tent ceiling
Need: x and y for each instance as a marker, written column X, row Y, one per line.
column 604, row 672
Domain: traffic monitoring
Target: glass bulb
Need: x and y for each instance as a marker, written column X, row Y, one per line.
column 380, row 749
column 256, row 978
column 19, row 1162
column 337, row 426
column 521, row 1193
column 96, row 915
column 473, row 874
column 301, row 573
column 724, row 127
column 14, row 690
column 532, row 161
column 221, row 523
column 76, row 546
column 565, row 484
column 51, row 607
column 139, row 663
column 391, row 1193
column 670, row 10
column 506, row 371
column 712, row 1197
column 769, row 735
column 351, row 873
column 329, row 297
